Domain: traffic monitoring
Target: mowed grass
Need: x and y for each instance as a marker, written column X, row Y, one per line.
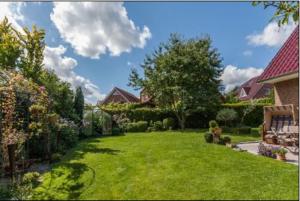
column 167, row 165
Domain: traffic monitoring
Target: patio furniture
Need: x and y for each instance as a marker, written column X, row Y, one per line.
column 288, row 137
column 282, row 131
column 277, row 120
column 278, row 129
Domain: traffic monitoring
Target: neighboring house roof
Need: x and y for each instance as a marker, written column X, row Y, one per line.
column 118, row 95
column 253, row 90
column 286, row 61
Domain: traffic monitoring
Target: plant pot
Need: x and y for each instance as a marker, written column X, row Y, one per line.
column 280, row 157
column 217, row 131
column 216, row 138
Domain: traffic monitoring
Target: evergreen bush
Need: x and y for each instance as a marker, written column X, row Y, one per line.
column 140, row 126
column 168, row 123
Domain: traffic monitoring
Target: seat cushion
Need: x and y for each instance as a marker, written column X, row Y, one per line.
column 270, row 132
column 285, row 129
column 270, row 136
column 294, row 129
column 283, row 137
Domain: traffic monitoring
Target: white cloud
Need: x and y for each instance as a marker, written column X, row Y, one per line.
column 234, row 76
column 63, row 66
column 247, row 53
column 95, row 28
column 12, row 10
column 272, row 35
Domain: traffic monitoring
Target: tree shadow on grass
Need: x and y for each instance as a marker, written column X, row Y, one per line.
column 97, row 139
column 65, row 181
column 94, row 149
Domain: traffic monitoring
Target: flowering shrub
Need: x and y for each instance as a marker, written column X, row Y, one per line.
column 68, row 134
column 10, row 122
column 266, row 150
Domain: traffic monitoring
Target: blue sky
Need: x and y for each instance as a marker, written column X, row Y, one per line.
column 243, row 34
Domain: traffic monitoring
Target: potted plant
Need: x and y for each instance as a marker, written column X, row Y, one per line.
column 215, row 130
column 280, row 153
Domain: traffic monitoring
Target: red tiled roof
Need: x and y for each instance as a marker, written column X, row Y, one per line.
column 129, row 96
column 253, row 89
column 286, row 61
column 121, row 96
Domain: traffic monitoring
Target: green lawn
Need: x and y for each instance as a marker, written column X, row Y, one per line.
column 168, row 165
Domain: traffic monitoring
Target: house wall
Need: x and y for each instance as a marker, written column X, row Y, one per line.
column 286, row 92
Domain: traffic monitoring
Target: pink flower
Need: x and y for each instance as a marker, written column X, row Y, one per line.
column 42, row 88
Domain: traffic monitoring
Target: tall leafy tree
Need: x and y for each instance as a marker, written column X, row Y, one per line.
column 284, row 10
column 60, row 93
column 79, row 103
column 232, row 96
column 33, row 43
column 182, row 75
column 10, row 46
column 24, row 50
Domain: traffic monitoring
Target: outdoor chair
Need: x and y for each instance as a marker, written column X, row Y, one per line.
column 279, row 129
column 288, row 136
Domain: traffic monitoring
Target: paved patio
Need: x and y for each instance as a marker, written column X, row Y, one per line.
column 252, row 147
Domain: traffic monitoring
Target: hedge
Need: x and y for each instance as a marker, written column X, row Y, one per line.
column 140, row 126
column 168, row 123
column 141, row 114
column 237, row 130
column 242, row 130
column 137, row 113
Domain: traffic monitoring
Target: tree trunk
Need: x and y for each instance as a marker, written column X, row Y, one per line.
column 57, row 140
column 181, row 121
column 11, row 156
column 47, row 146
column 182, row 125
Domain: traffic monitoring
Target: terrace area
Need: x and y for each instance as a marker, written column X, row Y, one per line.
column 253, row 148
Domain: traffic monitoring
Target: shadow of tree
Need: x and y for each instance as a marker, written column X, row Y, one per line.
column 70, row 187
column 92, row 148
column 98, row 138
column 66, row 180
column 113, row 136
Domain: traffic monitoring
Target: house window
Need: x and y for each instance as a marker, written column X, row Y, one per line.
column 243, row 93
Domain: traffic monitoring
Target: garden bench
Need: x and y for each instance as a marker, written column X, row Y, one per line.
column 280, row 125
column 283, row 132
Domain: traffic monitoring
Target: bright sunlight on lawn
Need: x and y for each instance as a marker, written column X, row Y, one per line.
column 166, row 165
